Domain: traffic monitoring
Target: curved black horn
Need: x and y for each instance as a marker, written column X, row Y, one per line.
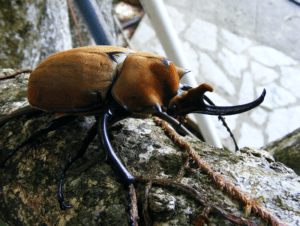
column 214, row 110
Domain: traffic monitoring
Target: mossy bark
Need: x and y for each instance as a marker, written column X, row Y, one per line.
column 287, row 150
column 29, row 181
column 32, row 30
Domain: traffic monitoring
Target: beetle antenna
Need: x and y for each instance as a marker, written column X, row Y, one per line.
column 221, row 118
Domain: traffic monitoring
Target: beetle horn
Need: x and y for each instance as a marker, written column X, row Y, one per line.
column 214, row 110
column 193, row 102
column 181, row 72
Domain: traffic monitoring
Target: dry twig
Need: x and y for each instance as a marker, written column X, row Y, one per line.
column 76, row 23
column 203, row 217
column 15, row 74
column 146, row 214
column 134, row 209
column 196, row 195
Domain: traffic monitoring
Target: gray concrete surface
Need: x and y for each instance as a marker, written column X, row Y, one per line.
column 261, row 20
column 239, row 48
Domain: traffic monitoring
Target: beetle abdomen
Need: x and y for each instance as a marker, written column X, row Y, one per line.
column 73, row 80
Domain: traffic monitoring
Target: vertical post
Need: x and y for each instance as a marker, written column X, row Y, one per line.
column 94, row 22
column 165, row 31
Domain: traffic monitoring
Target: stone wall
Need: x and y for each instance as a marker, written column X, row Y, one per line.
column 226, row 50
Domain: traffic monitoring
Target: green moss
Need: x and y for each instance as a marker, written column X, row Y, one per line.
column 290, row 156
column 171, row 163
column 14, row 28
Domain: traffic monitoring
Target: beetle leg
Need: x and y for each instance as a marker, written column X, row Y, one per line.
column 85, row 143
column 181, row 123
column 22, row 111
column 54, row 124
column 112, row 159
column 175, row 124
column 110, row 156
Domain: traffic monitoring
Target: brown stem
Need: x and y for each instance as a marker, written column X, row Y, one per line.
column 134, row 209
column 203, row 217
column 249, row 203
column 183, row 167
column 15, row 74
column 196, row 195
column 146, row 215
column 75, row 21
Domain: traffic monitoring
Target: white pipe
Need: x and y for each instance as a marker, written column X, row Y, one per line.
column 164, row 29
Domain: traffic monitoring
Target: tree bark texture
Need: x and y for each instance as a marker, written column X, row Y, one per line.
column 29, row 180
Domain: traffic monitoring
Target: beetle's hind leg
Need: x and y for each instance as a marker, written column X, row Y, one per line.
column 27, row 110
column 54, row 124
column 85, row 143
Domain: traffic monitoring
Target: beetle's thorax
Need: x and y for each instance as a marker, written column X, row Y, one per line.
column 146, row 82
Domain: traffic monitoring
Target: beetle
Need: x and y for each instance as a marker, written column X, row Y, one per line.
column 112, row 83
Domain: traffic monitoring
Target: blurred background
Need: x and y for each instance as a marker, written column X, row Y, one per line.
column 238, row 47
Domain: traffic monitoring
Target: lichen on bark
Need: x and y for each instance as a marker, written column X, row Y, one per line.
column 29, row 181
column 287, row 150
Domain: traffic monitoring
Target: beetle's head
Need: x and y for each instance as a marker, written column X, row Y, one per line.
column 148, row 84
column 192, row 101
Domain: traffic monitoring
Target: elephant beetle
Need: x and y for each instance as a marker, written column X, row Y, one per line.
column 112, row 83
